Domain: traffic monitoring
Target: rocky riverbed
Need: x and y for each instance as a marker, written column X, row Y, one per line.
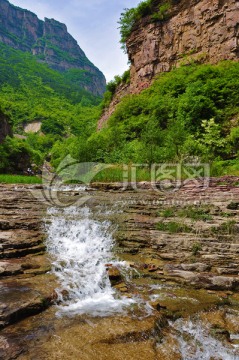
column 175, row 255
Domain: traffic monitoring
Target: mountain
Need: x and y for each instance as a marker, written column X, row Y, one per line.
column 161, row 35
column 51, row 44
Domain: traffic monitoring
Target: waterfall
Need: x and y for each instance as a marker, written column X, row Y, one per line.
column 80, row 247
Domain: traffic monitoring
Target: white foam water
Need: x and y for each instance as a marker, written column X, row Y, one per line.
column 196, row 343
column 80, row 248
column 68, row 188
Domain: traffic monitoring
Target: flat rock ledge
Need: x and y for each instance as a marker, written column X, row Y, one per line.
column 26, row 287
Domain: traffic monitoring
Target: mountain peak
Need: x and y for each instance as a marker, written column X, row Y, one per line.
column 49, row 41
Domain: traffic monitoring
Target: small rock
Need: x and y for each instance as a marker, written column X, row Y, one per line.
column 152, row 268
column 156, row 305
column 167, row 256
column 54, row 296
column 121, row 287
column 114, row 275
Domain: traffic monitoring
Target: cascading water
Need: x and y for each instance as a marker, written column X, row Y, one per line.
column 80, row 248
column 196, row 343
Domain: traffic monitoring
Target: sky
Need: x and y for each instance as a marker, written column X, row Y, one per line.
column 93, row 23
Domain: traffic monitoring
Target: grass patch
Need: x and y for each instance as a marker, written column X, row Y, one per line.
column 229, row 227
column 226, row 214
column 19, row 179
column 191, row 212
column 173, row 227
column 167, row 213
column 195, row 213
column 118, row 174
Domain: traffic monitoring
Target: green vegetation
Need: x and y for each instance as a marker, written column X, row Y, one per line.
column 168, row 212
column 32, row 91
column 195, row 213
column 15, row 155
column 19, row 179
column 173, row 227
column 130, row 17
column 196, row 248
column 191, row 212
column 124, row 79
column 112, row 86
column 21, row 71
column 229, row 227
column 187, row 115
column 162, row 13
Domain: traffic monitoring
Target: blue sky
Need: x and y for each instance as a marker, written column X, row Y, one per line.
column 93, row 23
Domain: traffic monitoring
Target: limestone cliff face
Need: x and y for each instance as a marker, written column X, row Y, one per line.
column 199, row 30
column 49, row 40
column 205, row 31
column 5, row 128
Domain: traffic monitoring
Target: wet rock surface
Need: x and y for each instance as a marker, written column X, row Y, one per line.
column 186, row 277
column 25, row 286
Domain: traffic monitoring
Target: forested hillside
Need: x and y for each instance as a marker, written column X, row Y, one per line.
column 190, row 113
column 32, row 91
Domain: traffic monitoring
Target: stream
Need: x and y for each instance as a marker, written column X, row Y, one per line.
column 81, row 248
column 112, row 286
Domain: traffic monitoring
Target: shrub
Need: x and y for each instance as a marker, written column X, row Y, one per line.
column 129, row 18
column 196, row 248
column 162, row 14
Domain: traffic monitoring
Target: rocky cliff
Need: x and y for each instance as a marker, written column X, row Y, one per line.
column 198, row 30
column 203, row 31
column 49, row 41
